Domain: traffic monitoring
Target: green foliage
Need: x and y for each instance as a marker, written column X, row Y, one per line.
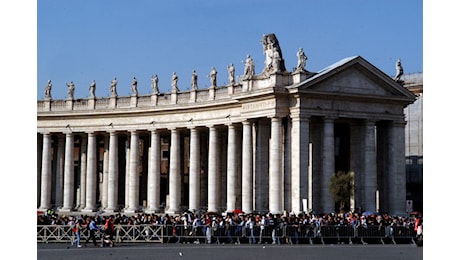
column 341, row 187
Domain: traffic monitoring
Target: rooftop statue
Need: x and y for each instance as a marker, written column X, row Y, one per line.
column 155, row 84
column 113, row 87
column 231, row 74
column 174, row 80
column 70, row 90
column 213, row 76
column 301, row 60
column 249, row 67
column 399, row 70
column 194, row 80
column 92, row 89
column 274, row 62
column 134, row 86
column 48, row 90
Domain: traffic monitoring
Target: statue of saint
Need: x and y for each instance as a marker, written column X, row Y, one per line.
column 174, row 80
column 301, row 60
column 249, row 67
column 92, row 89
column 399, row 70
column 113, row 87
column 134, row 86
column 213, row 76
column 194, row 80
column 70, row 90
column 155, row 84
column 274, row 61
column 231, row 74
column 48, row 90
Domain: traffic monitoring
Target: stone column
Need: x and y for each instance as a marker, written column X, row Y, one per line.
column 45, row 196
column 39, row 166
column 213, row 160
column 231, row 168
column 396, row 169
column 60, row 170
column 300, row 135
column 105, row 173
column 133, row 197
column 262, row 162
column 127, row 166
column 370, row 167
column 112, row 180
column 153, row 179
column 91, row 174
column 327, row 201
column 194, row 175
column 247, row 175
column 275, row 167
column 68, row 201
column 81, row 201
column 357, row 132
column 174, row 173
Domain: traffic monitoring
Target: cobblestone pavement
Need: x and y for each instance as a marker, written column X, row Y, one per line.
column 229, row 251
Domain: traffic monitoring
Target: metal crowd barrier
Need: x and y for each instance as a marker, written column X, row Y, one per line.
column 290, row 234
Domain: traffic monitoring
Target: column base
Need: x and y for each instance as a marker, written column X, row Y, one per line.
column 130, row 211
column 173, row 211
column 64, row 210
column 149, row 211
column 44, row 209
column 110, row 210
column 88, row 210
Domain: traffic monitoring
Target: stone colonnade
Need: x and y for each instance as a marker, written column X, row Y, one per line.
column 257, row 165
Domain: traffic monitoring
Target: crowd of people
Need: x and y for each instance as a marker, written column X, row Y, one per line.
column 230, row 227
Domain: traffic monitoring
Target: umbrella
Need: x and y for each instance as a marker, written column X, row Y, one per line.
column 367, row 213
column 238, row 211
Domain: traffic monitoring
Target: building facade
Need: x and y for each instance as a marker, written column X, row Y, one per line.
column 414, row 142
column 267, row 142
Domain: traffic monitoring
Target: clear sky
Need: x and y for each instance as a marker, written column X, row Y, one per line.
column 85, row 40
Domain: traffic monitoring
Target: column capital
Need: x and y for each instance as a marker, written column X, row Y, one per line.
column 398, row 123
column 247, row 122
column 297, row 116
column 275, row 118
column 329, row 118
column 369, row 121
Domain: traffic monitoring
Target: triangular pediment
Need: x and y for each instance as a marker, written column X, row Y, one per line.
column 354, row 76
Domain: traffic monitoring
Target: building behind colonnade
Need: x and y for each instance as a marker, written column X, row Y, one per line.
column 266, row 142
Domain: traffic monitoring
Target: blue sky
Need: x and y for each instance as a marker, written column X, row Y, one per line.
column 84, row 40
